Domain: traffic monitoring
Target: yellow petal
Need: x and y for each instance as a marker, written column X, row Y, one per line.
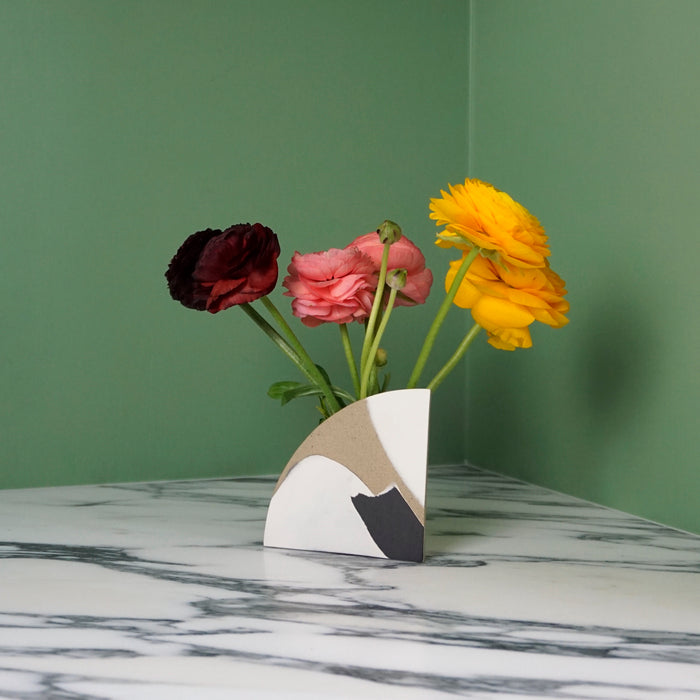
column 520, row 337
column 510, row 338
column 490, row 311
column 498, row 343
column 467, row 294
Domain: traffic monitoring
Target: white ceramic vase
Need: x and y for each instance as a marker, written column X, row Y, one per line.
column 357, row 484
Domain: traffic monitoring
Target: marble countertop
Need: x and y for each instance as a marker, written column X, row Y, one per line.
column 163, row 590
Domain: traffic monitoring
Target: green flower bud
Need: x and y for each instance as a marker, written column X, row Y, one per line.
column 396, row 279
column 389, row 231
column 381, row 359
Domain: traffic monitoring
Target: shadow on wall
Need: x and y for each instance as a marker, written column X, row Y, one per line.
column 557, row 414
column 617, row 359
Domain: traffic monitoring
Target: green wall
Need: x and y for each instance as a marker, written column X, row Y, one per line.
column 127, row 125
column 588, row 113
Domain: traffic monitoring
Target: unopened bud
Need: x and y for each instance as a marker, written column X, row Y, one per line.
column 381, row 359
column 389, row 231
column 396, row 279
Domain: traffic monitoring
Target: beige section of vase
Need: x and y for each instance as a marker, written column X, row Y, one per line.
column 349, row 437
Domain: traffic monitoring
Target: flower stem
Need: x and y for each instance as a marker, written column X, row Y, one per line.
column 347, row 347
column 376, row 307
column 456, row 357
column 276, row 338
column 440, row 317
column 369, row 366
column 310, row 369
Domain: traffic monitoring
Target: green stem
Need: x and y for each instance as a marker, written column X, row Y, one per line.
column 347, row 347
column 376, row 306
column 456, row 357
column 367, row 371
column 275, row 337
column 373, row 381
column 440, row 317
column 311, row 370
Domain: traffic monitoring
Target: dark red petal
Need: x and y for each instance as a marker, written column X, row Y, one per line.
column 181, row 283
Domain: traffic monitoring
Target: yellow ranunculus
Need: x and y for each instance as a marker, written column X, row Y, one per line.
column 506, row 301
column 478, row 214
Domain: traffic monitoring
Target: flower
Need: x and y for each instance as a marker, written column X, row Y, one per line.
column 182, row 286
column 478, row 214
column 396, row 279
column 506, row 302
column 504, row 278
column 389, row 231
column 402, row 255
column 214, row 270
column 333, row 286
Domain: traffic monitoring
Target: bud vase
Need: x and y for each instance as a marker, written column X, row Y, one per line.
column 356, row 485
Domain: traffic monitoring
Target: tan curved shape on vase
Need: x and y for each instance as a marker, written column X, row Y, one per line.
column 350, row 438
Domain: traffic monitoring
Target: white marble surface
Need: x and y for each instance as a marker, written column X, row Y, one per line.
column 163, row 590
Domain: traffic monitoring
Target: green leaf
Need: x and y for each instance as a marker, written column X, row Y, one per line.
column 299, row 391
column 324, row 374
column 288, row 391
column 405, row 297
column 342, row 394
column 385, row 383
column 277, row 389
column 339, row 393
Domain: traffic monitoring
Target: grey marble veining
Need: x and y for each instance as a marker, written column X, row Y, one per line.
column 163, row 590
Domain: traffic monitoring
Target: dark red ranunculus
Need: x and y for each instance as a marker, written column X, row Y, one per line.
column 181, row 283
column 214, row 269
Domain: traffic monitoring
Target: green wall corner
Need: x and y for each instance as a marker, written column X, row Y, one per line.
column 587, row 113
column 127, row 125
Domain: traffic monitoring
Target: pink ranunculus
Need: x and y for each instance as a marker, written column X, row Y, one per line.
column 402, row 254
column 333, row 286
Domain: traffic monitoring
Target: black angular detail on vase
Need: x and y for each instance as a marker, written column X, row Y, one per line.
column 392, row 524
